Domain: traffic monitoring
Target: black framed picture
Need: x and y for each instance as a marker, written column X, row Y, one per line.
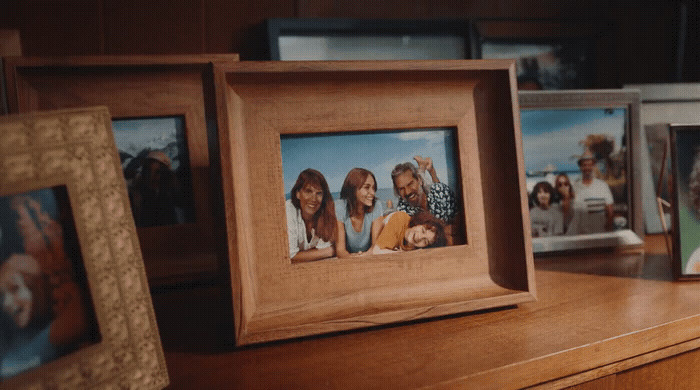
column 365, row 39
column 549, row 55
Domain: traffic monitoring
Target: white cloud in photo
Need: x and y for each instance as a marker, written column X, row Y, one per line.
column 558, row 146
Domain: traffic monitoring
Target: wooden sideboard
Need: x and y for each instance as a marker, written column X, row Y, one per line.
column 601, row 321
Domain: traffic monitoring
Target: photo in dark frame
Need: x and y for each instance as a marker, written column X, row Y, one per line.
column 356, row 39
column 549, row 54
column 155, row 160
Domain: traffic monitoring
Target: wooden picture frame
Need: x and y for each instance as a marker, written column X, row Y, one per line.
column 10, row 45
column 365, row 39
column 69, row 238
column 551, row 54
column 259, row 102
column 605, row 122
column 685, row 143
column 146, row 87
column 661, row 104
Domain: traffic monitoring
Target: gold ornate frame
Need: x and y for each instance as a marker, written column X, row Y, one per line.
column 74, row 148
column 260, row 101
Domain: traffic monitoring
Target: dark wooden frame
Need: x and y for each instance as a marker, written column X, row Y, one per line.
column 566, row 33
column 676, row 260
column 272, row 29
column 144, row 86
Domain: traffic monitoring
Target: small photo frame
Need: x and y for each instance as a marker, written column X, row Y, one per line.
column 582, row 171
column 550, row 54
column 685, row 146
column 164, row 116
column 310, row 123
column 365, row 39
column 76, row 309
column 662, row 104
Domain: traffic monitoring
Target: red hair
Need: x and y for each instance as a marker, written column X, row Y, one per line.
column 325, row 222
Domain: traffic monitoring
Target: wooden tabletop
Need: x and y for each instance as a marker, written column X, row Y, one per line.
column 595, row 314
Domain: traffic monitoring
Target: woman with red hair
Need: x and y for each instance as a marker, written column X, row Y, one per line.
column 311, row 222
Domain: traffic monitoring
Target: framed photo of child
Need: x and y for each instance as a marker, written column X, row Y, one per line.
column 76, row 309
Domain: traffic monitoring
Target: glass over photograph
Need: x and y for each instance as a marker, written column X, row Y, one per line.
column 378, row 47
column 576, row 171
column 154, row 158
column 687, row 164
column 352, row 194
column 47, row 311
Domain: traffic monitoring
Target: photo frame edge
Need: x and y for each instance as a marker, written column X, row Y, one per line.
column 62, row 370
column 584, row 98
column 241, row 273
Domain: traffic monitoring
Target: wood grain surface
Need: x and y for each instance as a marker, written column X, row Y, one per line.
column 597, row 315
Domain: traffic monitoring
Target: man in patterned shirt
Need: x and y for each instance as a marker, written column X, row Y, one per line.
column 438, row 199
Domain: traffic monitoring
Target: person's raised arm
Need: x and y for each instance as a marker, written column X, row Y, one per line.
column 431, row 169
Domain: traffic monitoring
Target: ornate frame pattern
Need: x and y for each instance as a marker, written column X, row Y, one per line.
column 75, row 148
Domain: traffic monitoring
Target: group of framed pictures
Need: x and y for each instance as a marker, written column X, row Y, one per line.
column 197, row 164
column 550, row 54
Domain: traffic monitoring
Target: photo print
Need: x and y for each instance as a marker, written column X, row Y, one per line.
column 47, row 311
column 351, row 194
column 577, row 174
column 154, row 158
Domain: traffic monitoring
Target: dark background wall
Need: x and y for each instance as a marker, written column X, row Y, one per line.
column 642, row 46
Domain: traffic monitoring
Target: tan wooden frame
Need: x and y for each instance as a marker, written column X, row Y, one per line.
column 74, row 148
column 273, row 298
column 601, row 98
column 144, row 86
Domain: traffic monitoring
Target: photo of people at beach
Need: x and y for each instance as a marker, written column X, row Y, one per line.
column 576, row 170
column 46, row 307
column 354, row 194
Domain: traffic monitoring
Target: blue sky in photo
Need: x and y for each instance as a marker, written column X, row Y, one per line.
column 134, row 135
column 551, row 136
column 334, row 155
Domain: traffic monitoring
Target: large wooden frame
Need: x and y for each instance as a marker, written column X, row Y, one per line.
column 260, row 101
column 138, row 87
column 628, row 100
column 74, row 149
